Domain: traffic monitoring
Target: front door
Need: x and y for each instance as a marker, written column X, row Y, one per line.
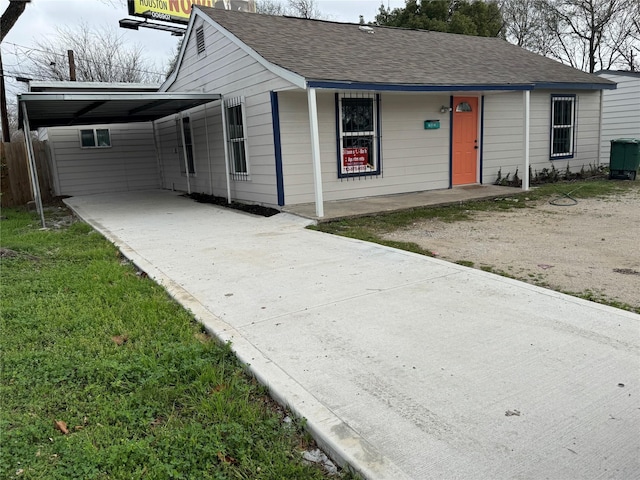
column 465, row 141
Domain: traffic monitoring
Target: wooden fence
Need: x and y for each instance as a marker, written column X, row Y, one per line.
column 15, row 184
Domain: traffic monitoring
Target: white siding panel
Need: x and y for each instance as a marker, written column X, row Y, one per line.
column 503, row 142
column 620, row 111
column 129, row 164
column 413, row 159
column 226, row 69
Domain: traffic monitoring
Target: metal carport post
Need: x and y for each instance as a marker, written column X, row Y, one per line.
column 33, row 172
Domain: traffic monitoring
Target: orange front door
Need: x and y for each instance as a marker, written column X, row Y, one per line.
column 465, row 141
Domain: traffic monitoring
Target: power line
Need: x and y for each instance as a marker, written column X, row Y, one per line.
column 79, row 59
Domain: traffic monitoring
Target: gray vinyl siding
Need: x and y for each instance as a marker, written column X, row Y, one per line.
column 503, row 139
column 620, row 111
column 413, row 159
column 129, row 164
column 226, row 69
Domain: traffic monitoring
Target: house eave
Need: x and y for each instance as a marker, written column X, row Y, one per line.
column 400, row 87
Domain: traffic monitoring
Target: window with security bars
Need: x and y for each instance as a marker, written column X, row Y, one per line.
column 358, row 136
column 237, row 138
column 562, row 126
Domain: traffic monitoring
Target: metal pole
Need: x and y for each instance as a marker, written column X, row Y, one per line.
column 225, row 134
column 315, row 150
column 184, row 154
column 33, row 172
column 527, row 123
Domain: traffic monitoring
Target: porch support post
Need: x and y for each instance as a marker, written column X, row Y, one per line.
column 206, row 136
column 600, row 129
column 225, row 134
column 33, row 170
column 315, row 150
column 184, row 154
column 158, row 154
column 527, row 124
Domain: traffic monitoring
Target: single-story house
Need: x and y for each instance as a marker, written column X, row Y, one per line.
column 314, row 111
column 620, row 109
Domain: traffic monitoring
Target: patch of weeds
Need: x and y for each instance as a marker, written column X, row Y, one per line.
column 603, row 299
column 465, row 263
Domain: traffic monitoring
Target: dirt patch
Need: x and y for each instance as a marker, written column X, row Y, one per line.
column 590, row 247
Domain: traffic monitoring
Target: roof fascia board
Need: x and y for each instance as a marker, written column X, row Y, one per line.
column 172, row 78
column 288, row 75
column 390, row 87
column 574, row 86
column 156, row 96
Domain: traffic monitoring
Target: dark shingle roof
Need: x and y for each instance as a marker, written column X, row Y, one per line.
column 342, row 52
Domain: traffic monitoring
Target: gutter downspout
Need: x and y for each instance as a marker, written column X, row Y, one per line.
column 33, row 171
column 225, row 134
column 184, row 153
column 527, row 124
column 315, row 150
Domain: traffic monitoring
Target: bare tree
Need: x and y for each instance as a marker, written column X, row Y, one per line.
column 586, row 34
column 271, row 7
column 293, row 8
column 304, row 9
column 100, row 56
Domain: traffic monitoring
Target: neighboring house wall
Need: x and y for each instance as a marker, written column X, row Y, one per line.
column 226, row 69
column 504, row 133
column 129, row 164
column 413, row 159
column 620, row 110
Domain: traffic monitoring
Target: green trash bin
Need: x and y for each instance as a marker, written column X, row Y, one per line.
column 624, row 159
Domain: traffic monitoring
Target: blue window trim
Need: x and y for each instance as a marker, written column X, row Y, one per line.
column 277, row 146
column 573, row 130
column 373, row 173
column 481, row 139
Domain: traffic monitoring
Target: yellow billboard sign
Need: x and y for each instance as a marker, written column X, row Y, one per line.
column 178, row 11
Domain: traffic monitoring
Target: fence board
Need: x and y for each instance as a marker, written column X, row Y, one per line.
column 15, row 182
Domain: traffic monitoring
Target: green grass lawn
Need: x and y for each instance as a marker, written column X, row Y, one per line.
column 144, row 393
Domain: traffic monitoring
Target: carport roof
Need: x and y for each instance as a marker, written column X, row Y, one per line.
column 54, row 109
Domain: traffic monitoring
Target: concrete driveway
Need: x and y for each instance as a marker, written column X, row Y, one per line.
column 404, row 366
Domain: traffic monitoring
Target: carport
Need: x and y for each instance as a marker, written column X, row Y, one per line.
column 55, row 109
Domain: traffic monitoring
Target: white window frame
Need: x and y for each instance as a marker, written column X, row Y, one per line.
column 556, row 99
column 95, row 137
column 233, row 141
column 179, row 130
column 373, row 166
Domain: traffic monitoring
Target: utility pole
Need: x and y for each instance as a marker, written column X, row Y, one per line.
column 72, row 66
column 6, row 137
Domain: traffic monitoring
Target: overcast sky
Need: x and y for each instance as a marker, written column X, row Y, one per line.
column 42, row 16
